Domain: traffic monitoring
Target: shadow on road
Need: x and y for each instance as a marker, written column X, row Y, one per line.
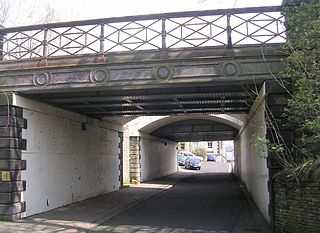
column 204, row 202
column 187, row 201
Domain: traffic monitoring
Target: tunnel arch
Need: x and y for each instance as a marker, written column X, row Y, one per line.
column 153, row 155
column 147, row 125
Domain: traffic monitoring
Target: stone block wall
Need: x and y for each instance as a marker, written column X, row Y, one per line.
column 11, row 165
column 135, row 157
column 296, row 207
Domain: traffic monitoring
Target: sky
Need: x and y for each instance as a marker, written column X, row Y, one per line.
column 24, row 12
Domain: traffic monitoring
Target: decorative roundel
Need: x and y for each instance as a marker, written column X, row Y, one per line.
column 99, row 75
column 230, row 68
column 163, row 72
column 41, row 79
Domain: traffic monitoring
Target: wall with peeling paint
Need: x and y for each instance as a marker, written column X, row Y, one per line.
column 158, row 157
column 70, row 157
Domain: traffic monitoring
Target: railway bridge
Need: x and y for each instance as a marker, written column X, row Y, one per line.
column 88, row 105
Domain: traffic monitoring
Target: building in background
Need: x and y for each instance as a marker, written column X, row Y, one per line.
column 224, row 150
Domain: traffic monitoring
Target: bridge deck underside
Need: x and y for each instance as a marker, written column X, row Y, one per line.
column 178, row 100
column 196, row 130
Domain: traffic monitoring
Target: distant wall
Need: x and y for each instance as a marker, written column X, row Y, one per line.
column 250, row 163
column 151, row 158
column 158, row 157
column 66, row 161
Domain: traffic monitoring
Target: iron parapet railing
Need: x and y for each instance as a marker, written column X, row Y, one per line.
column 228, row 27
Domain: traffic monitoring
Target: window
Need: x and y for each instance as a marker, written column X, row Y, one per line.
column 195, row 144
column 210, row 145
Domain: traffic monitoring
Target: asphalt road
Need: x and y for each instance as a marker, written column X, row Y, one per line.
column 202, row 202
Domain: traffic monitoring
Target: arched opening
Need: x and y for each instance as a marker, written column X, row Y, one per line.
column 157, row 137
column 156, row 141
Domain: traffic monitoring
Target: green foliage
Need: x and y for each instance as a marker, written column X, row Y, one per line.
column 303, row 66
column 200, row 152
column 258, row 143
column 261, row 144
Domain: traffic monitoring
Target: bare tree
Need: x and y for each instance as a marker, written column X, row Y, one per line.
column 49, row 15
column 4, row 11
column 19, row 13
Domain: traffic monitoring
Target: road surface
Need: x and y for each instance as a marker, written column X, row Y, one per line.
column 202, row 202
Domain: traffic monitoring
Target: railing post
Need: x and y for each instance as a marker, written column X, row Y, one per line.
column 229, row 30
column 1, row 46
column 45, row 44
column 163, row 34
column 101, row 38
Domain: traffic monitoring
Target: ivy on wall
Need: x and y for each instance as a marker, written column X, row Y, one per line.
column 303, row 67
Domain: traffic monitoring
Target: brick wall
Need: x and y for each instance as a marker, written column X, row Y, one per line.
column 297, row 207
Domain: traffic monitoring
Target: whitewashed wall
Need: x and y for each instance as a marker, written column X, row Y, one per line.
column 66, row 163
column 126, row 155
column 251, row 163
column 158, row 157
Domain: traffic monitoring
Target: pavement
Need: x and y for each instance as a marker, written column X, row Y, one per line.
column 156, row 206
column 88, row 214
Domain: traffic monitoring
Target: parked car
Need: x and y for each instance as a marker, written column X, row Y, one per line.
column 183, row 155
column 211, row 157
column 193, row 163
column 181, row 158
column 189, row 154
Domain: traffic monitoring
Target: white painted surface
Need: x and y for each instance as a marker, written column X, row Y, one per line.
column 152, row 124
column 126, row 155
column 251, row 163
column 65, row 163
column 148, row 124
column 158, row 157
